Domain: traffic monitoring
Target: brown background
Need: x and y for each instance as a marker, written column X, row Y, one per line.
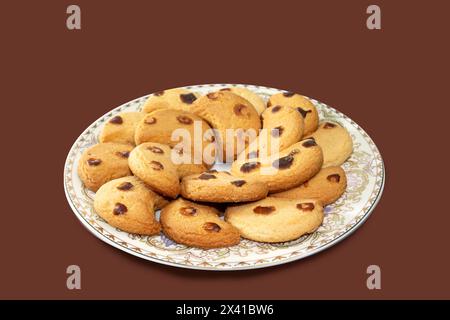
column 393, row 82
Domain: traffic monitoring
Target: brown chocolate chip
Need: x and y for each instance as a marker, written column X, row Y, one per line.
column 288, row 94
column 334, row 177
column 184, row 120
column 277, row 132
column 123, row 154
column 159, row 93
column 125, row 186
column 155, row 165
column 303, row 112
column 276, row 109
column 94, row 162
column 116, row 120
column 225, row 89
column 206, row 176
column 151, row 120
column 188, row 211
column 264, row 210
column 188, row 98
column 284, row 162
column 211, row 227
column 120, row 208
column 155, row 149
column 238, row 183
column 249, row 166
column 213, row 95
column 240, row 109
column 309, row 143
column 329, row 125
column 212, row 171
column 307, row 206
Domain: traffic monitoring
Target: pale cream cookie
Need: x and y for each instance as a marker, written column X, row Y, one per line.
column 335, row 141
column 275, row 219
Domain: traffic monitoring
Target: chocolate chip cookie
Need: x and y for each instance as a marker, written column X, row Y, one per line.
column 282, row 127
column 151, row 162
column 275, row 219
column 225, row 110
column 214, row 186
column 335, row 141
column 177, row 128
column 326, row 187
column 250, row 96
column 284, row 170
column 103, row 162
column 300, row 103
column 197, row 225
column 177, row 98
column 120, row 128
column 127, row 204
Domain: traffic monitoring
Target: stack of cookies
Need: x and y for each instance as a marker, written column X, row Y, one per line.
column 284, row 167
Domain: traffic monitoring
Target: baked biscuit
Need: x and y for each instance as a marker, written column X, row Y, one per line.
column 302, row 104
column 126, row 203
column 214, row 186
column 250, row 96
column 160, row 125
column 120, row 128
column 151, row 162
column 284, row 170
column 103, row 162
column 327, row 186
column 284, row 127
column 226, row 110
column 177, row 98
column 275, row 219
column 197, row 225
column 335, row 141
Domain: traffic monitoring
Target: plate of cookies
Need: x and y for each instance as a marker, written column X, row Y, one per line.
column 223, row 177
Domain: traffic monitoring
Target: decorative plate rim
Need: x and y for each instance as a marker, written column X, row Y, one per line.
column 300, row 256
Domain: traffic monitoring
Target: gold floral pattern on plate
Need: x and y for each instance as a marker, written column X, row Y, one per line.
column 365, row 174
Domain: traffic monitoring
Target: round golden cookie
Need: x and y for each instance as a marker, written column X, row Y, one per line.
column 326, row 187
column 283, row 127
column 302, row 104
column 126, row 203
column 197, row 225
column 225, row 110
column 177, row 98
column 103, row 162
column 151, row 162
column 121, row 127
column 177, row 128
column 335, row 141
column 284, row 170
column 214, row 186
column 250, row 96
column 275, row 219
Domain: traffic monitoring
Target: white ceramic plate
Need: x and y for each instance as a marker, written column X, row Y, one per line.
column 365, row 174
